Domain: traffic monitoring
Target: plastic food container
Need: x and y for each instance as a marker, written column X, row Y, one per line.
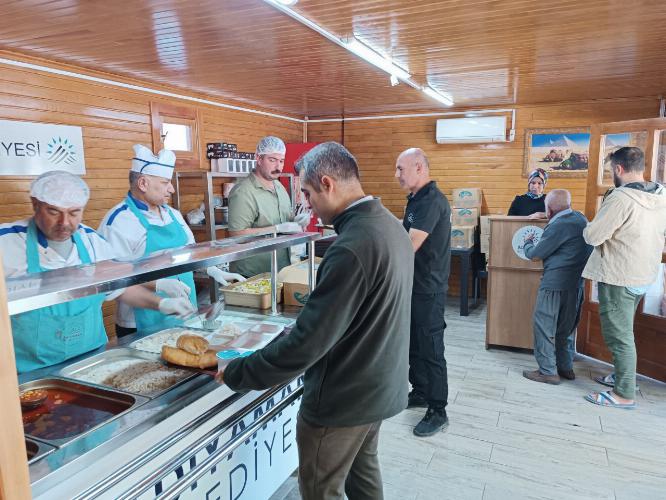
column 235, row 296
column 226, row 356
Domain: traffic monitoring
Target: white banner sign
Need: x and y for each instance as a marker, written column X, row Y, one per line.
column 34, row 148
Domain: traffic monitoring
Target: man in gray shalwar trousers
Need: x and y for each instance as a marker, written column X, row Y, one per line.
column 560, row 297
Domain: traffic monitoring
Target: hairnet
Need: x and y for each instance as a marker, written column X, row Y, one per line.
column 61, row 189
column 271, row 144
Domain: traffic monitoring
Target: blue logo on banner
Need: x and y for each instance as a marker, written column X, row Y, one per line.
column 61, row 152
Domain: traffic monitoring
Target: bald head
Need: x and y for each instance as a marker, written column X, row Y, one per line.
column 416, row 155
column 412, row 169
column 556, row 201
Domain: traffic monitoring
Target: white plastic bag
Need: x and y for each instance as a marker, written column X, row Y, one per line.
column 196, row 216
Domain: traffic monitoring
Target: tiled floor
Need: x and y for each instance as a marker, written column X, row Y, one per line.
column 510, row 438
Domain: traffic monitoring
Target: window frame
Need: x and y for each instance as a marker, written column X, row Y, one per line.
column 161, row 113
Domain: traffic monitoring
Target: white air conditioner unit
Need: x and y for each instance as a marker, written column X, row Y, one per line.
column 471, row 130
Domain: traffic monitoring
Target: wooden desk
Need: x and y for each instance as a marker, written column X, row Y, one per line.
column 512, row 285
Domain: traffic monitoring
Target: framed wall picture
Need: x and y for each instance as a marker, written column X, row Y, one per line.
column 613, row 142
column 560, row 152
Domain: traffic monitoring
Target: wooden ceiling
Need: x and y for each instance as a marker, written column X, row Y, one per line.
column 483, row 52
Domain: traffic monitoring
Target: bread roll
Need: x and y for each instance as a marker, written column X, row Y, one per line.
column 194, row 344
column 183, row 358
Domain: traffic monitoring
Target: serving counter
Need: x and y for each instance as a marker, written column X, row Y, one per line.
column 198, row 439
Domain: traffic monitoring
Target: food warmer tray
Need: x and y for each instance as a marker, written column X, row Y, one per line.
column 121, row 401
column 36, row 449
column 75, row 371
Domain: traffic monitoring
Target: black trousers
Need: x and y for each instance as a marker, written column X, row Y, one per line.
column 427, row 366
column 121, row 331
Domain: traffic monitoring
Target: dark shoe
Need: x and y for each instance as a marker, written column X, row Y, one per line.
column 537, row 376
column 567, row 374
column 433, row 422
column 608, row 380
column 415, row 400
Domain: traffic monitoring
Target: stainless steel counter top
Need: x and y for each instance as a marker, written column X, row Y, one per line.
column 200, row 395
column 33, row 291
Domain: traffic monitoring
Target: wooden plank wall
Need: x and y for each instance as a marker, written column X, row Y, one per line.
column 495, row 168
column 113, row 120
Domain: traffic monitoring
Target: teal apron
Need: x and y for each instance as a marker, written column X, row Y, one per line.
column 53, row 334
column 164, row 237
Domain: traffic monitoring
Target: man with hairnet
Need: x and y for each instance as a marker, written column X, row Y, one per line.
column 54, row 238
column 144, row 223
column 259, row 202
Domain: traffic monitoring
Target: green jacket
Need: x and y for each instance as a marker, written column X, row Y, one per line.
column 352, row 336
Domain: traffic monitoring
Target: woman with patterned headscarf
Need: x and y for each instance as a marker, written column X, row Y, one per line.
column 532, row 202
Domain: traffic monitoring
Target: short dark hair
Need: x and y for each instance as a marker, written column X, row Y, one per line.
column 632, row 159
column 329, row 158
column 134, row 178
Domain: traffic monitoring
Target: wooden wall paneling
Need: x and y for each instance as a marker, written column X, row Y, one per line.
column 250, row 51
column 14, row 478
column 112, row 121
column 495, row 168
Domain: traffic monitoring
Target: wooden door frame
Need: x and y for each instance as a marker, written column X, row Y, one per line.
column 644, row 325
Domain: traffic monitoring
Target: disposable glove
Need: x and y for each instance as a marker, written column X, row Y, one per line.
column 303, row 218
column 223, row 277
column 288, row 227
column 173, row 288
column 182, row 308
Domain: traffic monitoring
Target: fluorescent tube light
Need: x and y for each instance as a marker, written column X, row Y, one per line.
column 365, row 52
column 287, row 2
column 376, row 59
column 445, row 99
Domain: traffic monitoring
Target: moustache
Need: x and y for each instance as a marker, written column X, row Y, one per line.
column 276, row 172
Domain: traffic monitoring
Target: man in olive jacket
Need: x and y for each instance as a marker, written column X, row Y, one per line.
column 351, row 339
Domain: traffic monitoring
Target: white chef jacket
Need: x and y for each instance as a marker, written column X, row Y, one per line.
column 127, row 236
column 13, row 244
column 13, row 248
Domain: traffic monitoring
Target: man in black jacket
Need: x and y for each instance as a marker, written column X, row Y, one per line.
column 564, row 253
column 428, row 223
column 351, row 338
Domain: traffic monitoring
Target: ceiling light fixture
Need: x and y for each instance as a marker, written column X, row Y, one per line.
column 353, row 45
column 376, row 59
column 442, row 97
column 288, row 3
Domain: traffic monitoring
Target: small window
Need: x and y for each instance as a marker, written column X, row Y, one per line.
column 177, row 136
column 178, row 128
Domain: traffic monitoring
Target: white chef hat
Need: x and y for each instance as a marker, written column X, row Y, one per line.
column 145, row 162
column 271, row 144
column 61, row 189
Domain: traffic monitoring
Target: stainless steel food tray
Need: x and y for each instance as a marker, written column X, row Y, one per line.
column 230, row 316
column 182, row 329
column 75, row 371
column 104, row 393
column 37, row 450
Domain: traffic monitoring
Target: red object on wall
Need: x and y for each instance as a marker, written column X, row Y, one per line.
column 294, row 152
